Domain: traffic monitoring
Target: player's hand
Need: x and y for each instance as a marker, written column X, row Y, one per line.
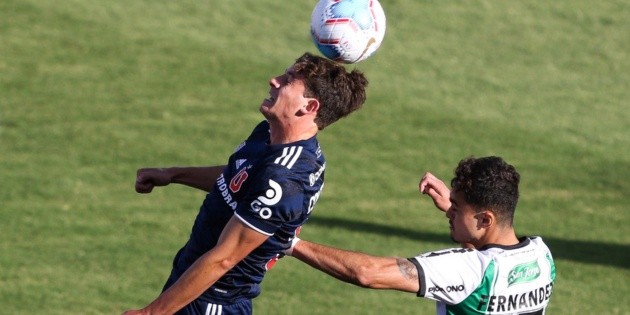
column 437, row 190
column 148, row 178
column 134, row 312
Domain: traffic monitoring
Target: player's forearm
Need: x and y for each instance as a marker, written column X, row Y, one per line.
column 197, row 177
column 235, row 243
column 360, row 269
column 197, row 279
column 344, row 265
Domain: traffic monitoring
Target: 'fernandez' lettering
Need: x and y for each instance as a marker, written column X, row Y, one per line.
column 515, row 302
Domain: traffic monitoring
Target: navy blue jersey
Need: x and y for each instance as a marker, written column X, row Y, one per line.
column 271, row 189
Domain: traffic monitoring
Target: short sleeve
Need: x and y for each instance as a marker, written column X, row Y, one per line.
column 274, row 199
column 449, row 276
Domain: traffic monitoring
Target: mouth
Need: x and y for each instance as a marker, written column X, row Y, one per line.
column 271, row 99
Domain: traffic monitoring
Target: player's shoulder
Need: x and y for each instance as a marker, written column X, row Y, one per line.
column 262, row 126
column 294, row 168
column 540, row 245
column 260, row 132
column 298, row 156
column 460, row 260
column 536, row 240
column 451, row 254
column 528, row 247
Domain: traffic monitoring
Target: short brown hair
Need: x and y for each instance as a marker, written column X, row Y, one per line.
column 338, row 91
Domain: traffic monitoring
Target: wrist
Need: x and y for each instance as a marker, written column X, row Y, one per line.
column 289, row 251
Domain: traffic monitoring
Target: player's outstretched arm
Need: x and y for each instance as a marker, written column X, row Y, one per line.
column 437, row 190
column 358, row 268
column 197, row 177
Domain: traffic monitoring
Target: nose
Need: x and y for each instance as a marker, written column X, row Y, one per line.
column 274, row 82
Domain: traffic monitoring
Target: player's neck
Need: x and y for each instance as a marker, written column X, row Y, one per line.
column 499, row 236
column 288, row 133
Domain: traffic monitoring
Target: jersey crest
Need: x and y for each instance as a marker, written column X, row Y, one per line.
column 238, row 180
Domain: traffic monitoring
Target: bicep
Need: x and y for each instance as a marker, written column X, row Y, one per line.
column 394, row 273
column 238, row 240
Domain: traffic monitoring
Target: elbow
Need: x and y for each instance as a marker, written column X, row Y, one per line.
column 227, row 264
column 366, row 276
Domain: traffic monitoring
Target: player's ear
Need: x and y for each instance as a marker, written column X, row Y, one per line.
column 312, row 106
column 486, row 219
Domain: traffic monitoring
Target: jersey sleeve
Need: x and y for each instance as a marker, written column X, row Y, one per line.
column 449, row 276
column 275, row 198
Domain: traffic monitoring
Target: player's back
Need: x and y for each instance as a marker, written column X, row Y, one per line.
column 494, row 279
column 519, row 281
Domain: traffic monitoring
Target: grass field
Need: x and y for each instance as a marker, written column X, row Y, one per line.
column 90, row 91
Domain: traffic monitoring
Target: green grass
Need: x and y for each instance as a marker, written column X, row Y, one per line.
column 91, row 91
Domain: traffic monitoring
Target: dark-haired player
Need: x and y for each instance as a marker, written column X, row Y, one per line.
column 257, row 202
column 497, row 273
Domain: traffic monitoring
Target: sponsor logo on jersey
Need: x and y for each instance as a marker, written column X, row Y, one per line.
column 515, row 302
column 314, row 198
column 313, row 177
column 289, row 156
column 239, row 163
column 223, row 189
column 272, row 196
column 450, row 288
column 523, row 273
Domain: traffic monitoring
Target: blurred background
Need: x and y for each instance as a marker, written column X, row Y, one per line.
column 90, row 91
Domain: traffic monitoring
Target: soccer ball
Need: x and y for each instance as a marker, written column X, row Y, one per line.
column 348, row 31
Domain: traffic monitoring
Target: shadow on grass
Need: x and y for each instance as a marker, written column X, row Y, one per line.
column 616, row 255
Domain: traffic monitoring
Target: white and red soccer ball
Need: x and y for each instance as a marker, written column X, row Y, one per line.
column 348, row 31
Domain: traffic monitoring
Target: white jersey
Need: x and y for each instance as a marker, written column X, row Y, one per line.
column 495, row 279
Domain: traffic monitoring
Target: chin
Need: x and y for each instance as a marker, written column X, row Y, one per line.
column 454, row 240
column 264, row 110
